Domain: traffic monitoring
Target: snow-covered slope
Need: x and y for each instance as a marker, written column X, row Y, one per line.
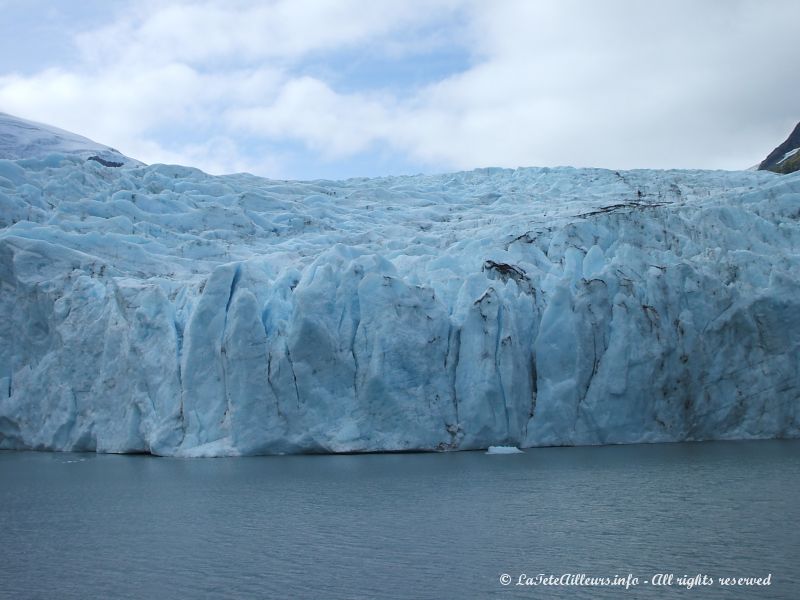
column 161, row 309
column 20, row 138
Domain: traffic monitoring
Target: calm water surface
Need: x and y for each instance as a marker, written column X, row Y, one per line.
column 400, row 526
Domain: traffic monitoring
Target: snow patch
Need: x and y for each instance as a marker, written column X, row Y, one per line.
column 788, row 155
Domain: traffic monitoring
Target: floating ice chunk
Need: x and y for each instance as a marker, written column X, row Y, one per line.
column 503, row 450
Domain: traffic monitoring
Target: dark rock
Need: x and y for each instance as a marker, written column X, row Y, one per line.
column 104, row 162
column 774, row 162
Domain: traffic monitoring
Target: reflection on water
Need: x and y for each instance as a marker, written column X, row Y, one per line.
column 400, row 525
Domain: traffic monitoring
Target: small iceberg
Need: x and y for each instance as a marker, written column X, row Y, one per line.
column 503, row 450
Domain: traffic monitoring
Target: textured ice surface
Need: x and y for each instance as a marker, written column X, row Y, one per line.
column 20, row 138
column 161, row 309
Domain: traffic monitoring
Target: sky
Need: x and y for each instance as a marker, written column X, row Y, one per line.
column 314, row 89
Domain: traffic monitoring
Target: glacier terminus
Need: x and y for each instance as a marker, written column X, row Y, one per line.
column 159, row 309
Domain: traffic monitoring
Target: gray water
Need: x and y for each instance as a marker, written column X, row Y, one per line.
column 403, row 525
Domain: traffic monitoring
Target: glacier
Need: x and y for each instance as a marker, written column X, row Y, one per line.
column 158, row 309
column 21, row 138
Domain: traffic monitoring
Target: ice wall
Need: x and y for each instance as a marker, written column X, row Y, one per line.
column 158, row 309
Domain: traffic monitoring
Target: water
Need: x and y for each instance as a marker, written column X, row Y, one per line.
column 400, row 526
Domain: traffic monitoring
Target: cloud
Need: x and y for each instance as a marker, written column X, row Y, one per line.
column 335, row 125
column 214, row 33
column 156, row 80
column 615, row 84
column 259, row 85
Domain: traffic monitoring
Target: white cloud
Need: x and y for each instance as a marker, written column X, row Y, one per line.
column 619, row 83
column 334, row 125
column 616, row 84
column 212, row 33
column 125, row 107
column 162, row 69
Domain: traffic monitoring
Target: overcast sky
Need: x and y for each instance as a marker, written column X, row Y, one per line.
column 338, row 88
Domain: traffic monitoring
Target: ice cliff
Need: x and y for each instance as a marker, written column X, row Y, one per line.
column 159, row 309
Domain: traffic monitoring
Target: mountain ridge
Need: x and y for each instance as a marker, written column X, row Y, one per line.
column 786, row 157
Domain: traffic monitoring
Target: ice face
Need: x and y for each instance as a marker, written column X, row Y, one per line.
column 158, row 309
